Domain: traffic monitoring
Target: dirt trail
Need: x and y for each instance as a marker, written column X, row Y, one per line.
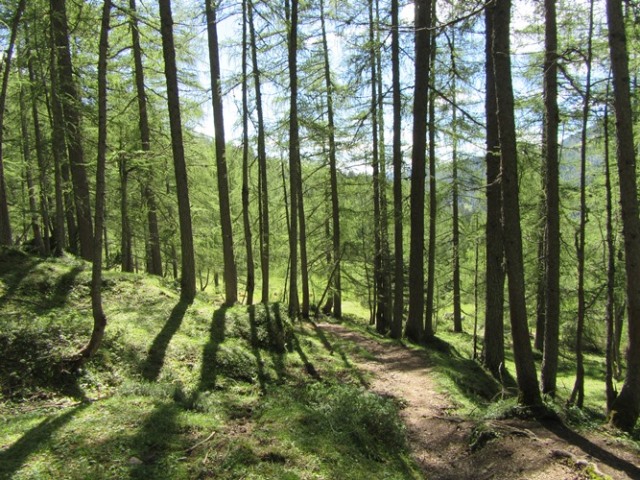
column 514, row 449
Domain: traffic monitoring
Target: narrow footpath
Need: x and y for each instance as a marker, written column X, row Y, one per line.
column 512, row 449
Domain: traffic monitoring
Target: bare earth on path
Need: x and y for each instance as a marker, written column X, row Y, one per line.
column 514, row 449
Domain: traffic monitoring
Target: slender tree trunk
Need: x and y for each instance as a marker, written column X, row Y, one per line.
column 59, row 149
column 577, row 395
column 246, row 221
column 523, row 355
column 304, row 264
column 5, row 221
column 188, row 280
column 382, row 322
column 262, row 163
column 611, row 391
column 230, row 272
column 541, row 271
column 99, row 317
column 398, row 273
column 294, row 155
column 42, row 164
column 415, row 321
column 549, row 367
column 26, row 153
column 626, row 408
column 126, row 252
column 72, row 118
column 457, row 308
column 333, row 174
column 493, row 356
column 153, row 242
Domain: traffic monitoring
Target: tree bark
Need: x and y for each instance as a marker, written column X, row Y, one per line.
column 73, row 130
column 626, row 408
column 398, row 273
column 549, row 368
column 153, row 241
column 493, row 356
column 188, row 280
column 5, row 221
column 246, row 221
column 28, row 172
column 262, row 163
column 99, row 317
column 415, row 321
column 294, row 155
column 523, row 356
column 333, row 175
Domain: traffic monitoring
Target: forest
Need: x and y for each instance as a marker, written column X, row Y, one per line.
column 225, row 223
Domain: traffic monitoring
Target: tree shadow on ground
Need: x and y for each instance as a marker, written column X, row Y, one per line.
column 209, row 373
column 153, row 442
column 472, row 380
column 334, row 348
column 15, row 266
column 155, row 359
column 294, row 345
column 14, row 457
column 591, row 449
column 262, row 378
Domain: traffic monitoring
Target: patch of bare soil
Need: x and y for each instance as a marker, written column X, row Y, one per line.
column 503, row 449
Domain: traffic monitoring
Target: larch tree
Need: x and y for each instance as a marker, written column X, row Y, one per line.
column 246, row 220
column 154, row 262
column 493, row 347
column 529, row 393
column 577, row 394
column 262, row 160
column 99, row 316
column 336, row 294
column 415, row 321
column 69, row 96
column 626, row 407
column 188, row 273
column 230, row 272
column 5, row 221
column 549, row 368
column 398, row 240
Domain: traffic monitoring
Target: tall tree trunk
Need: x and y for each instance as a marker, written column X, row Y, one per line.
column 457, row 308
column 230, row 272
column 42, row 164
column 626, row 408
column 577, row 395
column 430, row 310
column 188, row 280
column 262, row 163
column 415, row 320
column 26, row 153
column 59, row 149
column 246, row 221
column 126, row 238
column 493, row 356
column 71, row 110
column 5, row 221
column 382, row 322
column 398, row 273
column 523, row 355
column 294, row 154
column 99, row 317
column 153, row 241
column 333, row 174
column 610, row 389
column 549, row 367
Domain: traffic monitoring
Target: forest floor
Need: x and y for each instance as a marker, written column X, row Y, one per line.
column 452, row 447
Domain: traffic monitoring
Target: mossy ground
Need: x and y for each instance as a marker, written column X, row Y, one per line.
column 176, row 390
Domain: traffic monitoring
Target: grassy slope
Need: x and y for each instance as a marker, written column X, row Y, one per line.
column 177, row 391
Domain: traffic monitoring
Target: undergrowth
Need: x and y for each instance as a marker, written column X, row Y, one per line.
column 177, row 391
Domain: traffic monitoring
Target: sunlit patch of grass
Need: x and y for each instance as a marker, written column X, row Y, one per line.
column 177, row 391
